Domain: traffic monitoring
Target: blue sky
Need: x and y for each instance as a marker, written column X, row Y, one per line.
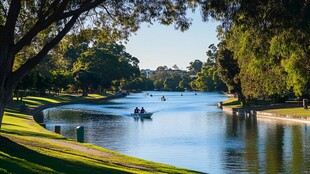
column 157, row 45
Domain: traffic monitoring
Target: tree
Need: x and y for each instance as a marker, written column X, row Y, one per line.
column 101, row 64
column 270, row 41
column 195, row 66
column 208, row 79
column 162, row 68
column 185, row 82
column 228, row 70
column 169, row 84
column 175, row 67
column 41, row 25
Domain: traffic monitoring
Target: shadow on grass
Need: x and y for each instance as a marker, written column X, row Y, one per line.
column 15, row 158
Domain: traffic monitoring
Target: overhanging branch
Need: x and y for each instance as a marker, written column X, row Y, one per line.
column 57, row 15
column 83, row 8
column 35, row 60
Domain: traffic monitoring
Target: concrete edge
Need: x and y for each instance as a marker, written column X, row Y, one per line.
column 286, row 117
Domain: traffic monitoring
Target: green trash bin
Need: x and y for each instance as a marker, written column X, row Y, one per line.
column 80, row 134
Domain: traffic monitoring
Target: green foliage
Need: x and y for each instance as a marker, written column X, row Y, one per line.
column 170, row 84
column 185, row 82
column 294, row 58
column 168, row 79
column 270, row 43
column 208, row 79
column 228, row 70
column 195, row 67
column 102, row 63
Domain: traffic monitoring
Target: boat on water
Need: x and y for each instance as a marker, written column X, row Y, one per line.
column 142, row 115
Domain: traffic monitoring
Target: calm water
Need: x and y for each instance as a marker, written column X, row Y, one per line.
column 189, row 131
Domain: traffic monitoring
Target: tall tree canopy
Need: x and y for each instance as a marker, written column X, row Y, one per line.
column 195, row 67
column 102, row 63
column 270, row 42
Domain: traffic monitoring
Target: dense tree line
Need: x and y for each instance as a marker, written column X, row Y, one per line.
column 264, row 49
column 199, row 76
column 90, row 65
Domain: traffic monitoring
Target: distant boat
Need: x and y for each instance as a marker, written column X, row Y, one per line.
column 142, row 115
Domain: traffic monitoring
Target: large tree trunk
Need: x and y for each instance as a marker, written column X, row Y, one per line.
column 6, row 65
column 5, row 96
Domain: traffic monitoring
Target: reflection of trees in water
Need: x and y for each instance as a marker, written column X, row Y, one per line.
column 268, row 148
column 251, row 145
column 274, row 149
column 242, row 153
column 297, row 150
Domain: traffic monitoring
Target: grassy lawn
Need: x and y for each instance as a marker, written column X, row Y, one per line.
column 26, row 147
column 232, row 103
column 298, row 111
column 290, row 108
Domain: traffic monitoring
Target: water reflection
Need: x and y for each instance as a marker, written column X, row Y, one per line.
column 190, row 132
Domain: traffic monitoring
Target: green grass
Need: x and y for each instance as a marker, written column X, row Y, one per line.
column 26, row 147
column 290, row 108
column 232, row 103
column 298, row 111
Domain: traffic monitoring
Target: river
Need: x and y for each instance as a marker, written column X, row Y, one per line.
column 189, row 131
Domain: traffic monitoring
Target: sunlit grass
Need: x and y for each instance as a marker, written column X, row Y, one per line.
column 26, row 148
column 232, row 103
column 291, row 111
column 96, row 96
column 265, row 106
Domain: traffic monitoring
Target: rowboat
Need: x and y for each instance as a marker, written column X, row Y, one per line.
column 142, row 115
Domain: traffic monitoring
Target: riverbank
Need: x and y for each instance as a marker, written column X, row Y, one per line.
column 26, row 147
column 288, row 111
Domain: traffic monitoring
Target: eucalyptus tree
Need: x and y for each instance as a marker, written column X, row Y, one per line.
column 195, row 67
column 270, row 41
column 41, row 25
column 228, row 70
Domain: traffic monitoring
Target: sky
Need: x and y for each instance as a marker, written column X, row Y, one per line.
column 158, row 45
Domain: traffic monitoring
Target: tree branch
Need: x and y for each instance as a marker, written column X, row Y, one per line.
column 49, row 10
column 57, row 15
column 42, row 5
column 40, row 26
column 35, row 60
column 12, row 19
column 83, row 8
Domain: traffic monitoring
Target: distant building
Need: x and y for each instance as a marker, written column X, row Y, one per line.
column 147, row 72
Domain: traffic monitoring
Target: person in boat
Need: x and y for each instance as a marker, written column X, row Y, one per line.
column 137, row 110
column 142, row 111
column 163, row 98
